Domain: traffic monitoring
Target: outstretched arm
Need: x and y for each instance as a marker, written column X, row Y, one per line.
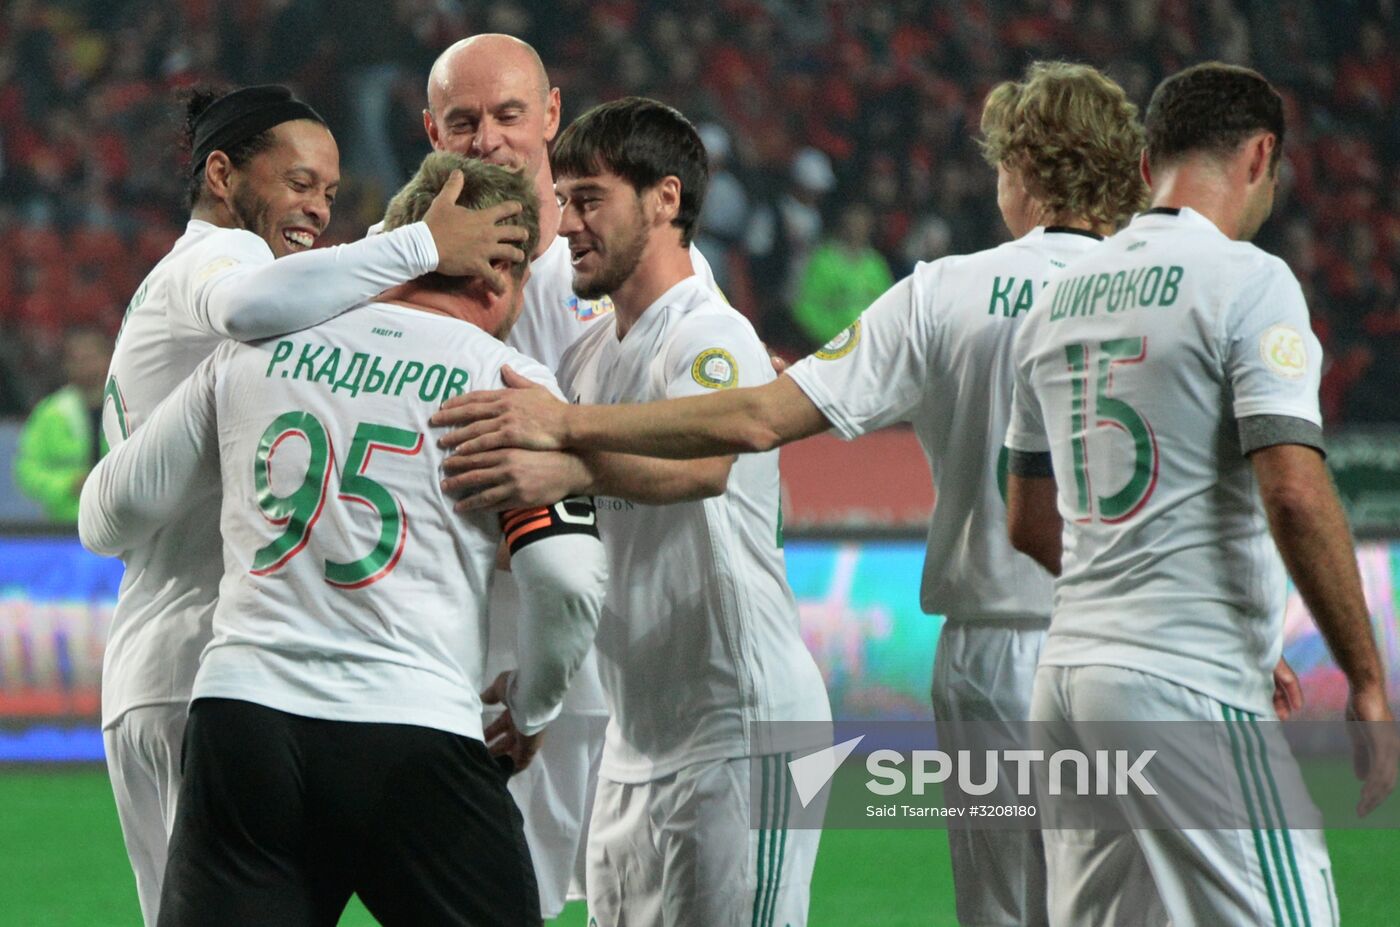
column 246, row 295
column 510, row 477
column 145, row 481
column 732, row 421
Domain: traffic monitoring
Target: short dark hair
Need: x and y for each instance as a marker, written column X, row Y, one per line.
column 197, row 101
column 643, row 142
column 1212, row 108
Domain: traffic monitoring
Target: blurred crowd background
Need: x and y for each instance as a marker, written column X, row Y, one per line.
column 842, row 135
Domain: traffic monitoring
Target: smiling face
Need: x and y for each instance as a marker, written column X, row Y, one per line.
column 284, row 194
column 607, row 225
column 488, row 98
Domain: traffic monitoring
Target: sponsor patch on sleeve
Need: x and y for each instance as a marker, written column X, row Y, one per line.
column 842, row 344
column 1284, row 351
column 715, row 368
column 574, row 515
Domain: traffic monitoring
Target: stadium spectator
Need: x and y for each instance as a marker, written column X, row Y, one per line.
column 844, row 276
column 62, row 440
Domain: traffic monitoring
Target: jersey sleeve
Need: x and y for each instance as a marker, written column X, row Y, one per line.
column 714, row 351
column 873, row 373
column 523, row 527
column 237, row 290
column 143, row 483
column 560, row 567
column 1272, row 359
column 530, row 369
column 1025, row 433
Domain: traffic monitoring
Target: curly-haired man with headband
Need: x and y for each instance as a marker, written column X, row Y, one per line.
column 335, row 741
column 264, row 172
column 934, row 351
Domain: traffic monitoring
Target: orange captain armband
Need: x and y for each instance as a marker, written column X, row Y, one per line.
column 574, row 515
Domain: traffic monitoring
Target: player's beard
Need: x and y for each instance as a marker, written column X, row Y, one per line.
column 254, row 214
column 619, row 261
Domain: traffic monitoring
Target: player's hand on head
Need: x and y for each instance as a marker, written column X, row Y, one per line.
column 1375, row 743
column 511, row 478
column 526, row 415
column 1288, row 691
column 470, row 241
column 502, row 737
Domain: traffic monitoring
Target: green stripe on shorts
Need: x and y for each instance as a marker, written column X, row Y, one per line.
column 784, row 799
column 762, row 833
column 1282, row 820
column 1253, row 819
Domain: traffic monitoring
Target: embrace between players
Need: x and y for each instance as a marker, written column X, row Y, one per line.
column 284, row 512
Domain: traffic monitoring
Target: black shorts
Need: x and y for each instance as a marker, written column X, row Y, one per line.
column 282, row 817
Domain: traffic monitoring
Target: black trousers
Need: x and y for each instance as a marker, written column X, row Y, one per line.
column 282, row 817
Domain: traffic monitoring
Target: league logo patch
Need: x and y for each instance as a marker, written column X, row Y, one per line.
column 715, row 369
column 1284, row 351
column 586, row 310
column 842, row 344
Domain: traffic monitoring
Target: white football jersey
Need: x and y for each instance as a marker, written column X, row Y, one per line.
column 1133, row 371
column 176, row 319
column 935, row 351
column 699, row 633
column 351, row 590
column 553, row 318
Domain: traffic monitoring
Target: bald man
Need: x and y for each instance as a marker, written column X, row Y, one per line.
column 489, row 97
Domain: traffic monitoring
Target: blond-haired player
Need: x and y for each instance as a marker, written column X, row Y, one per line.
column 933, row 351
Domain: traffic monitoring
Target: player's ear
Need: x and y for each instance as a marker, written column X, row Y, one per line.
column 551, row 114
column 1145, row 168
column 1261, row 156
column 218, row 175
column 668, row 199
column 430, row 126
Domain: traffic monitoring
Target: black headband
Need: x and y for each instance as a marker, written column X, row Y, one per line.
column 242, row 114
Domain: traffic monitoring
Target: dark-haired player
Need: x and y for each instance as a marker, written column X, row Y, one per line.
column 489, row 98
column 699, row 637
column 264, row 173
column 1165, row 424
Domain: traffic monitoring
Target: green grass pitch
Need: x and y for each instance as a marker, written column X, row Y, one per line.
column 62, row 865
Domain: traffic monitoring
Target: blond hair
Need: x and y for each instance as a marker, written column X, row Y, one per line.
column 483, row 185
column 1073, row 135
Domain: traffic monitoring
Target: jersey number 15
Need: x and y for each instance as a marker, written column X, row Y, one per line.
column 1109, row 410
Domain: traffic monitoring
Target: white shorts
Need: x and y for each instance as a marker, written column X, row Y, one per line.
column 680, row 851
column 143, row 760
column 555, row 792
column 983, row 672
column 1269, row 875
